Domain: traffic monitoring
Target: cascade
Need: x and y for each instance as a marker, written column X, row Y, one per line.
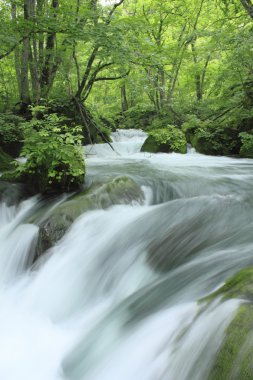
column 120, row 295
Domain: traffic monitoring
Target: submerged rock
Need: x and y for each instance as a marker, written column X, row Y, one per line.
column 121, row 190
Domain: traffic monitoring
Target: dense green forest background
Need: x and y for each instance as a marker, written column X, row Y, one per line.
column 71, row 71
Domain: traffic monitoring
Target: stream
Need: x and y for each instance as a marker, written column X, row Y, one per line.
column 119, row 296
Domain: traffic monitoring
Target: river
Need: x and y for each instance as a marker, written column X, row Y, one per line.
column 119, row 296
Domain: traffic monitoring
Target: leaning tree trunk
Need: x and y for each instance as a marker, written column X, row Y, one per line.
column 91, row 130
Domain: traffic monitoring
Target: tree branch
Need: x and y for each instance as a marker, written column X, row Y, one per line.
column 112, row 78
column 108, row 20
column 89, row 85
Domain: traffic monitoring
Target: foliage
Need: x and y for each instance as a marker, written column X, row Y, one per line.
column 11, row 133
column 190, row 126
column 139, row 64
column 160, row 122
column 211, row 137
column 5, row 161
column 247, row 145
column 169, row 139
column 54, row 156
column 140, row 116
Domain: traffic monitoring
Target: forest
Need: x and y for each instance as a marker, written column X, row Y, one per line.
column 71, row 72
column 126, row 147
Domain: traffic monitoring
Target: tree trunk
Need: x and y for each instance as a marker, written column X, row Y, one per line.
column 124, row 102
column 24, row 80
column 50, row 63
column 33, row 58
column 197, row 76
column 247, row 4
column 161, row 75
column 17, row 50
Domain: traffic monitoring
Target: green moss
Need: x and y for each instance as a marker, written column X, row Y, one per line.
column 238, row 286
column 234, row 359
column 166, row 140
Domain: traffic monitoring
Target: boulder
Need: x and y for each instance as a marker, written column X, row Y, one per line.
column 121, row 190
column 234, row 358
column 238, row 286
column 216, row 141
column 165, row 140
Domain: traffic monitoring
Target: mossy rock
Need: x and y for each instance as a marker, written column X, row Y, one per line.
column 6, row 161
column 238, row 286
column 216, row 140
column 121, row 190
column 165, row 140
column 234, row 359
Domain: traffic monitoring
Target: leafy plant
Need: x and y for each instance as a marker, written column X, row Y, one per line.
column 11, row 133
column 54, row 156
column 169, row 139
column 247, row 145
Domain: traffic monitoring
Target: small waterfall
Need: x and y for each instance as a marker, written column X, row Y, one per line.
column 125, row 142
column 17, row 239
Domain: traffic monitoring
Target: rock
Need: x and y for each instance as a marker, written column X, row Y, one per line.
column 121, row 190
column 234, row 359
column 165, row 140
column 238, row 286
column 216, row 140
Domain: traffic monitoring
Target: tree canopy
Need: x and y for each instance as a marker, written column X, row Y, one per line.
column 128, row 63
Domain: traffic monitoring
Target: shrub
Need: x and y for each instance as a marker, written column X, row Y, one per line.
column 209, row 137
column 5, row 161
column 169, row 139
column 54, row 157
column 190, row 126
column 136, row 117
column 247, row 145
column 159, row 123
column 11, row 133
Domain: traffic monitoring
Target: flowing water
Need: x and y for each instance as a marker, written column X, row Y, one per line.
column 117, row 297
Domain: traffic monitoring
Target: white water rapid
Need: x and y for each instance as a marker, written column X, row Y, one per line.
column 117, row 298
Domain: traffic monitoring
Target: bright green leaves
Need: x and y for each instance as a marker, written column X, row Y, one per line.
column 169, row 139
column 54, row 155
column 247, row 145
